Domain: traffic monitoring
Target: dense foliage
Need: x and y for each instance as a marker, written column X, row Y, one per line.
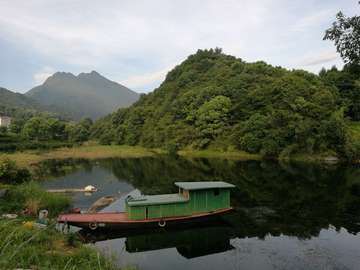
column 219, row 102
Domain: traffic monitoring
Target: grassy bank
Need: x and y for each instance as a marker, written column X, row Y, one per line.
column 24, row 247
column 21, row 247
column 92, row 151
column 207, row 153
column 26, row 158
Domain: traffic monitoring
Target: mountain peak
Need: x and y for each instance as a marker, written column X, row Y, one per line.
column 89, row 94
column 91, row 73
column 94, row 73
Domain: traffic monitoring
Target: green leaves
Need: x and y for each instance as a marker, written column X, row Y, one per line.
column 212, row 117
column 345, row 32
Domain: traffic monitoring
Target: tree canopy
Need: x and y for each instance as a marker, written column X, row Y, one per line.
column 345, row 32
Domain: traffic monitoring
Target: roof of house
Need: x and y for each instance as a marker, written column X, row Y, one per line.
column 203, row 185
column 4, row 117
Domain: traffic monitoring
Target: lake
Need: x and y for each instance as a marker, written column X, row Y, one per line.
column 286, row 215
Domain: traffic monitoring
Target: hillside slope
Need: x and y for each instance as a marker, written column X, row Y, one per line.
column 88, row 94
column 18, row 100
column 219, row 102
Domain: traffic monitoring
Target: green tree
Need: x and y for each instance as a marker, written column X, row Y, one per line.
column 212, row 117
column 14, row 128
column 32, row 128
column 107, row 138
column 3, row 129
column 345, row 32
column 81, row 134
column 49, row 129
column 355, row 97
column 86, row 123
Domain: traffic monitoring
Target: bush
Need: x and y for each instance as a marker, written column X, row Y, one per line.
column 171, row 148
column 12, row 174
column 20, row 195
column 252, row 143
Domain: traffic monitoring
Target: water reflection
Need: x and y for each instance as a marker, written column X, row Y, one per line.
column 295, row 199
column 198, row 240
column 274, row 202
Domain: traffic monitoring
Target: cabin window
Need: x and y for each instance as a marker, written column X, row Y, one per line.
column 181, row 190
column 146, row 212
column 216, row 191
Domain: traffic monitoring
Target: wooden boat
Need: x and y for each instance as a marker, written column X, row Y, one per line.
column 195, row 200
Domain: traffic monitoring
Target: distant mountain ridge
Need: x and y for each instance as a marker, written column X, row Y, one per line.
column 88, row 94
column 18, row 100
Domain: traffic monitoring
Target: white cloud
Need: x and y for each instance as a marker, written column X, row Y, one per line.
column 137, row 81
column 45, row 73
column 321, row 58
column 312, row 21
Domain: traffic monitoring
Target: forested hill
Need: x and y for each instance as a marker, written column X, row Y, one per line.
column 88, row 94
column 11, row 101
column 219, row 102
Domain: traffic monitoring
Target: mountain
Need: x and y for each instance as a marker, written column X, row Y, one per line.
column 218, row 102
column 88, row 94
column 18, row 100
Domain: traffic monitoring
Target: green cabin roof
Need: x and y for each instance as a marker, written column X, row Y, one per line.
column 203, row 185
column 157, row 199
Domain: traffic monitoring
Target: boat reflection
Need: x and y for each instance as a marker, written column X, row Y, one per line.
column 202, row 239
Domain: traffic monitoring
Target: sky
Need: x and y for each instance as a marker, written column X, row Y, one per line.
column 137, row 42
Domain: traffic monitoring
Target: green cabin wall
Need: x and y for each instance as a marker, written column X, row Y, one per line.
column 200, row 201
column 205, row 201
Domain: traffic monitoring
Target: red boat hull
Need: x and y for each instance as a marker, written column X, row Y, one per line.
column 120, row 220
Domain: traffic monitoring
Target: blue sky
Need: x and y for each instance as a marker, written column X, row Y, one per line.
column 135, row 43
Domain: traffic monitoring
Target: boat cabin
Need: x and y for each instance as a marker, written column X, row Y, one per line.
column 193, row 198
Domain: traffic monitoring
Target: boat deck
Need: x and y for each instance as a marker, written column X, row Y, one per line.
column 98, row 217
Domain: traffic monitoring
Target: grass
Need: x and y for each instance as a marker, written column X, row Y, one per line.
column 33, row 204
column 28, row 195
column 47, row 248
column 208, row 153
column 100, row 151
column 92, row 151
column 26, row 158
column 22, row 247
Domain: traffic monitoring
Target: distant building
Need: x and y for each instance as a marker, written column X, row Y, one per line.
column 5, row 121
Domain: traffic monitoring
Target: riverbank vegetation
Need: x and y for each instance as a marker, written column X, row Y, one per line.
column 23, row 246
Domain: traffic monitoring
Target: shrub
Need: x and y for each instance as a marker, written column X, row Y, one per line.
column 21, row 194
column 171, row 148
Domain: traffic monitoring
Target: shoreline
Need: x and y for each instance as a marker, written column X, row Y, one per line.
column 30, row 157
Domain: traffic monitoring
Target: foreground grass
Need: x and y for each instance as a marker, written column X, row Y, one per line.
column 22, row 247
column 47, row 248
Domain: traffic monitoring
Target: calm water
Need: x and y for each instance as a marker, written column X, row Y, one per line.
column 287, row 215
